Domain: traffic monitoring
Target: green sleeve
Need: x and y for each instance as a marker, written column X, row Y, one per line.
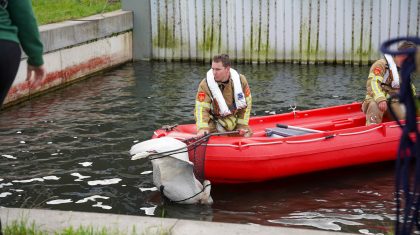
column 23, row 17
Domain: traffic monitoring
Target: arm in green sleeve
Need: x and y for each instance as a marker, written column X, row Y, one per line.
column 23, row 17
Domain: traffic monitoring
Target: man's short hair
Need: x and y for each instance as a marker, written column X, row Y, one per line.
column 406, row 45
column 224, row 58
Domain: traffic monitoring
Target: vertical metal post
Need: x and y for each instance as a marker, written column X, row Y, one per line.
column 142, row 29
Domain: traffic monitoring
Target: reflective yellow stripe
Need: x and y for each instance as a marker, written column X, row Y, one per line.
column 247, row 112
column 199, row 109
column 375, row 83
column 242, row 122
column 202, row 104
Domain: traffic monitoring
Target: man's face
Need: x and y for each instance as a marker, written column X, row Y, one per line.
column 220, row 73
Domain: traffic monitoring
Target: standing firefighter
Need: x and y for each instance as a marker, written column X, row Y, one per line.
column 223, row 101
column 384, row 82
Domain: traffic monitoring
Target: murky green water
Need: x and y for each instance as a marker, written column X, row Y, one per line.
column 68, row 150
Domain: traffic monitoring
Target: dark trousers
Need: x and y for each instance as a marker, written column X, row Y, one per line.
column 9, row 63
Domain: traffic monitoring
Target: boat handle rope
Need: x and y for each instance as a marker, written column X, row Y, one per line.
column 393, row 126
column 245, row 145
column 270, row 143
column 360, row 132
column 310, row 140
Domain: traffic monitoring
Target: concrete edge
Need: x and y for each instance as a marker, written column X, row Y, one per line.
column 55, row 221
column 68, row 33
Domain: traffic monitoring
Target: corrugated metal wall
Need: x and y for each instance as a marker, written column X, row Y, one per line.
column 304, row 31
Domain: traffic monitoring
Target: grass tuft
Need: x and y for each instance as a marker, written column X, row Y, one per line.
column 22, row 227
column 50, row 11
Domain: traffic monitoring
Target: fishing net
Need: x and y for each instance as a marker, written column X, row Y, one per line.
column 407, row 179
column 197, row 154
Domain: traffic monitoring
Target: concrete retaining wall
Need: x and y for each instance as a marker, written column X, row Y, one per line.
column 75, row 49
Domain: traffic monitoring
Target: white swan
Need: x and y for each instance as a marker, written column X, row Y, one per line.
column 174, row 172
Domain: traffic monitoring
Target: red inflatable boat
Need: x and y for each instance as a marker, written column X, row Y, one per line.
column 295, row 143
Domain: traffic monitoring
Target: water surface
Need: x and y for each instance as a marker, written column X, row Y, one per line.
column 68, row 150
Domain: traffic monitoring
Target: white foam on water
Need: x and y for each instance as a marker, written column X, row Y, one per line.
column 8, row 156
column 146, row 172
column 59, row 201
column 29, row 180
column 360, row 216
column 391, row 217
column 148, row 189
column 369, row 192
column 1, row 179
column 85, row 164
column 149, row 210
column 81, row 177
column 321, row 223
column 135, row 141
column 5, row 184
column 54, row 154
column 105, row 182
column 366, row 231
column 19, row 132
column 325, row 210
column 49, row 142
column 91, row 198
column 22, row 142
column 328, row 221
column 17, row 190
column 51, row 177
column 99, row 204
column 5, row 194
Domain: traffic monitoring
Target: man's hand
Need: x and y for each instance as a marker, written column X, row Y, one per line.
column 382, row 106
column 244, row 132
column 37, row 73
column 202, row 132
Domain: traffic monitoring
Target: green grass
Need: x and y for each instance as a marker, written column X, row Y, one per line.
column 23, row 227
column 50, row 11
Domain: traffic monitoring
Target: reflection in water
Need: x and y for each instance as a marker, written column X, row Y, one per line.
column 68, row 150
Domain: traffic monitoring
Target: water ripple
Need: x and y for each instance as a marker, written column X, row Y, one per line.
column 71, row 147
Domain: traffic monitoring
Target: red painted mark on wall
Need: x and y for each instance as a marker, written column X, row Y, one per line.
column 56, row 78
